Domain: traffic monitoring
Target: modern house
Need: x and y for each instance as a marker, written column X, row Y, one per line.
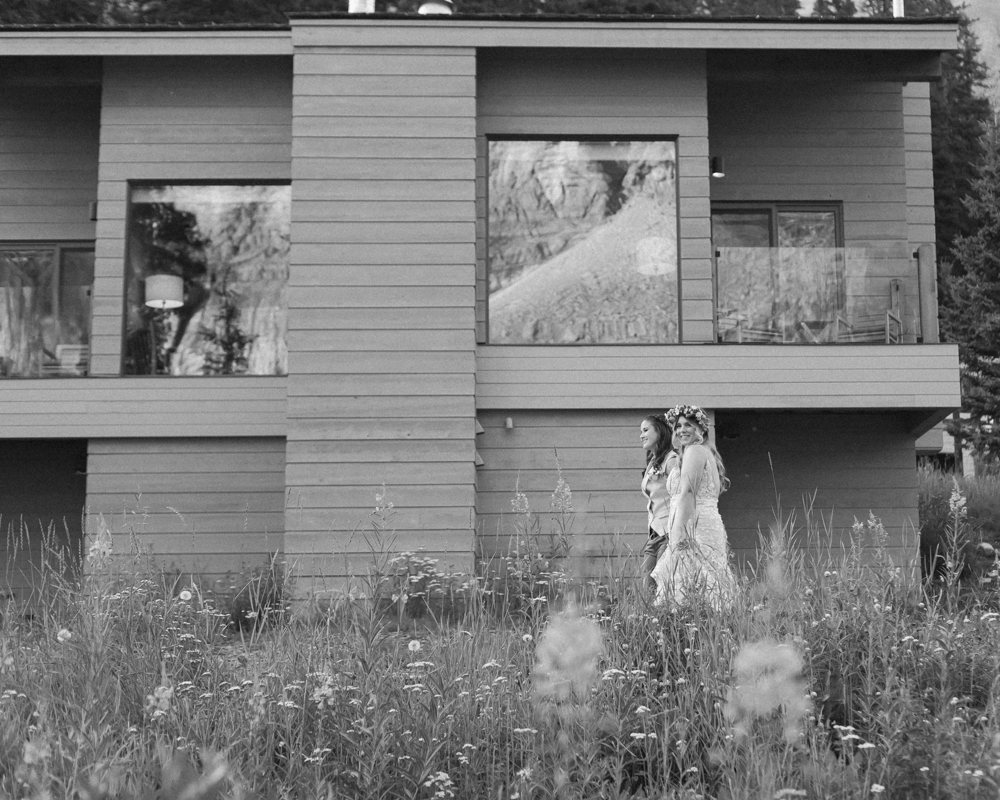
column 251, row 275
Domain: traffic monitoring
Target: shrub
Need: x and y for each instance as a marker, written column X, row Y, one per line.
column 982, row 503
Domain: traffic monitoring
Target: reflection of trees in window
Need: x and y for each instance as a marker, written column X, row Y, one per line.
column 229, row 246
column 45, row 293
column 582, row 241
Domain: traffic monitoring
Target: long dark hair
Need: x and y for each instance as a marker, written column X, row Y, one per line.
column 664, row 438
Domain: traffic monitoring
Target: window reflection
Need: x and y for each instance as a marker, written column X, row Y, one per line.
column 45, row 305
column 206, row 280
column 582, row 242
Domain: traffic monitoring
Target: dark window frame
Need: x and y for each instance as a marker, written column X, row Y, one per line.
column 152, row 183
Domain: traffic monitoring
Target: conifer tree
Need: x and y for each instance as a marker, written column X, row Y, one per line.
column 972, row 316
column 959, row 110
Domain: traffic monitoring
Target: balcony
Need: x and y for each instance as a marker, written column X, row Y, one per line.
column 815, row 295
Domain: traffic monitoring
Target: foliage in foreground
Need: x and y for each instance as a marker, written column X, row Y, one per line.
column 844, row 685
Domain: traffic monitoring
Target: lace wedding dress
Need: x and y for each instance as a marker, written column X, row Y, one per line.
column 701, row 566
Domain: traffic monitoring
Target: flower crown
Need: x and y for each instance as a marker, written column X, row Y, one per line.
column 688, row 412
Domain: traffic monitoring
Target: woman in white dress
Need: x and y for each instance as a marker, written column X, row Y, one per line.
column 696, row 559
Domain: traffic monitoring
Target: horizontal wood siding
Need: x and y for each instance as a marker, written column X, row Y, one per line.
column 719, row 376
column 613, row 93
column 854, row 463
column 179, row 120
column 48, row 161
column 381, row 305
column 208, row 505
column 142, row 407
column 804, row 141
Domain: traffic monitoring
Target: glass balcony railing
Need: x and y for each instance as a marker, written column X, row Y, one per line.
column 813, row 295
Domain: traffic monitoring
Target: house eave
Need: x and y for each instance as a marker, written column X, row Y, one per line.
column 395, row 30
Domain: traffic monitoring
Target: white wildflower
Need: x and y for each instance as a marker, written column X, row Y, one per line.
column 36, row 752
column 64, row 635
column 566, row 656
column 414, row 646
column 158, row 703
column 768, row 678
column 562, row 497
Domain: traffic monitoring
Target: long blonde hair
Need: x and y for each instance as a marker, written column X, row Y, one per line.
column 723, row 480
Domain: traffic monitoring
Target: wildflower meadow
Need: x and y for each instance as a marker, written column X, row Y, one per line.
column 850, row 680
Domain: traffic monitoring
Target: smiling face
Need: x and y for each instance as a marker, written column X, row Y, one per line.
column 648, row 435
column 686, row 432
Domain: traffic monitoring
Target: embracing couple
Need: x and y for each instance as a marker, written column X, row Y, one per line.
column 687, row 554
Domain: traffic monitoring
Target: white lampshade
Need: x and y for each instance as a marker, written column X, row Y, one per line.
column 436, row 7
column 164, row 291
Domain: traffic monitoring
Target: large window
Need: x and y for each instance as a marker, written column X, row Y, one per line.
column 206, row 279
column 582, row 241
column 45, row 309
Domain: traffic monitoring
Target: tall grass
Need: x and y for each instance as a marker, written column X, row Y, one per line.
column 843, row 683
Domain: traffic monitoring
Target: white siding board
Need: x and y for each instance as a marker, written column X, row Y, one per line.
column 205, row 506
column 48, row 162
column 736, row 376
column 384, row 209
column 142, row 407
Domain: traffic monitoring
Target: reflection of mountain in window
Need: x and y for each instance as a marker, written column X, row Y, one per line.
column 45, row 293
column 582, row 242
column 227, row 249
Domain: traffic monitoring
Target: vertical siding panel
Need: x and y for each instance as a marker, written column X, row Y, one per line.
column 48, row 162
column 853, row 464
column 615, row 94
column 208, row 506
column 356, row 419
column 179, row 119
column 920, row 176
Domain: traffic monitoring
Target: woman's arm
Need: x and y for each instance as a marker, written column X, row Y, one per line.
column 692, row 468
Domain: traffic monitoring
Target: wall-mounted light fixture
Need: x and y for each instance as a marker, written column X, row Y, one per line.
column 717, row 165
column 509, row 423
column 164, row 291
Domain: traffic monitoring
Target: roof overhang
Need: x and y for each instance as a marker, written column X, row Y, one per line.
column 145, row 42
column 405, row 30
column 352, row 30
